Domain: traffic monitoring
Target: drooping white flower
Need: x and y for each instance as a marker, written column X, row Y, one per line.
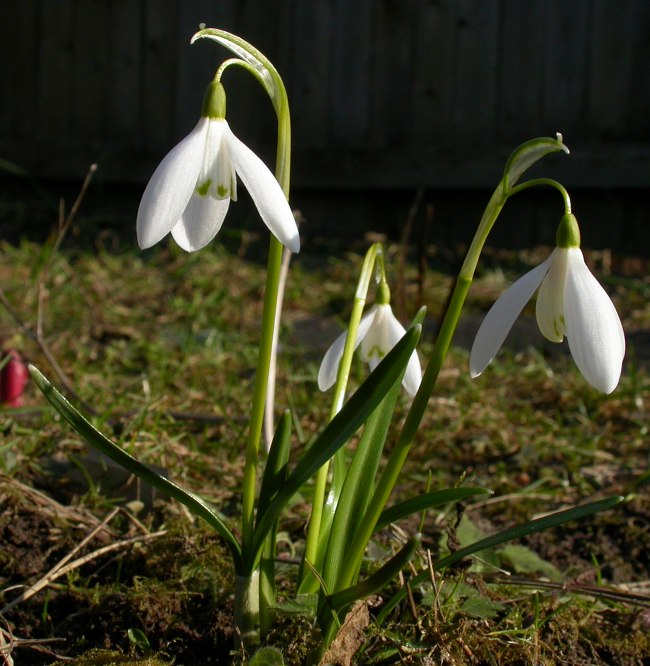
column 570, row 302
column 190, row 191
column 378, row 332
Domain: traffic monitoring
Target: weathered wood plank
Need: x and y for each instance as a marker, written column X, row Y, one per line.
column 522, row 48
column 158, row 88
column 564, row 103
column 90, row 52
column 19, row 48
column 390, row 76
column 433, row 74
column 475, row 74
column 349, row 83
column 122, row 79
column 55, row 72
column 310, row 73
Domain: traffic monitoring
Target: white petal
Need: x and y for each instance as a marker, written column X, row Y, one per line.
column 413, row 375
column 593, row 327
column 329, row 366
column 385, row 333
column 265, row 192
column 171, row 187
column 382, row 336
column 499, row 320
column 200, row 222
column 550, row 299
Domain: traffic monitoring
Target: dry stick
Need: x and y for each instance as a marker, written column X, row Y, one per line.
column 61, row 568
column 577, row 588
column 269, row 425
column 37, row 336
column 423, row 258
column 401, row 270
column 7, row 646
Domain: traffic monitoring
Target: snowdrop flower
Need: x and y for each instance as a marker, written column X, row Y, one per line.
column 570, row 302
column 190, row 191
column 378, row 332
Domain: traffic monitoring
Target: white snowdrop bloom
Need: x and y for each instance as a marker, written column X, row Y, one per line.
column 190, row 191
column 378, row 332
column 570, row 302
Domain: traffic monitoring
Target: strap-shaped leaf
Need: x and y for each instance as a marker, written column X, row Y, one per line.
column 532, row 526
column 339, row 430
column 358, row 486
column 426, row 501
column 378, row 580
column 275, row 470
column 334, row 607
column 95, row 438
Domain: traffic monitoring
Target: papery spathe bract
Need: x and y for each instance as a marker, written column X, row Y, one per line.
column 190, row 191
column 570, row 302
column 378, row 332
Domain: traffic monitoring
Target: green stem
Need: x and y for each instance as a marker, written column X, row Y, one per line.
column 549, row 182
column 259, row 393
column 430, row 377
column 321, row 514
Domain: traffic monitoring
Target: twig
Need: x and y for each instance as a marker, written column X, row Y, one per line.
column 37, row 336
column 270, row 386
column 64, row 565
column 403, row 246
column 589, row 590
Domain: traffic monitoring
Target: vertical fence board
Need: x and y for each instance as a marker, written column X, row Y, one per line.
column 391, row 75
column 522, row 46
column 310, row 71
column 381, row 82
column 348, row 85
column 564, row 102
column 122, row 78
column 54, row 74
column 91, row 52
column 19, row 39
column 433, row 74
column 475, row 76
column 159, row 74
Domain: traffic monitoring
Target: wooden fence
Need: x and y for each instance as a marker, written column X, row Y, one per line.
column 384, row 93
column 387, row 96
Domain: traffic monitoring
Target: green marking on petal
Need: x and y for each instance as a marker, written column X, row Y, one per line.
column 222, row 191
column 203, row 188
column 376, row 351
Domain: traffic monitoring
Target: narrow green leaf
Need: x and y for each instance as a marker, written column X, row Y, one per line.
column 426, row 501
column 275, row 470
column 95, row 438
column 378, row 580
column 339, row 430
column 358, row 486
column 532, row 526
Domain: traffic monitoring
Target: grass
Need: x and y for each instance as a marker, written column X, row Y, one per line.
column 161, row 347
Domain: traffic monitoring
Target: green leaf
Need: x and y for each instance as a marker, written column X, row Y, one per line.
column 524, row 560
column 480, row 606
column 275, row 470
column 426, row 501
column 374, row 583
column 358, row 486
column 339, row 430
column 531, row 527
column 267, row 656
column 97, row 439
